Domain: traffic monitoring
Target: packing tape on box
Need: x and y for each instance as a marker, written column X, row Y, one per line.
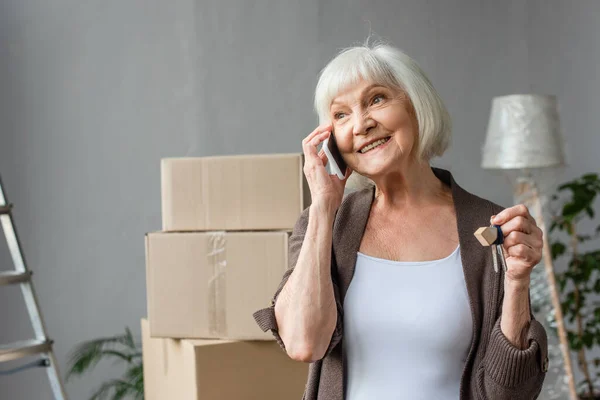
column 217, row 261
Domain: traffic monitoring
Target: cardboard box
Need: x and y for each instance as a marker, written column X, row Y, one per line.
column 219, row 370
column 206, row 285
column 255, row 192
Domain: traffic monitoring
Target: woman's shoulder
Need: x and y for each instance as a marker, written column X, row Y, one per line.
column 356, row 200
column 479, row 203
column 475, row 199
column 464, row 198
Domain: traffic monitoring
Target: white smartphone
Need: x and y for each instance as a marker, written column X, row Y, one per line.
column 334, row 157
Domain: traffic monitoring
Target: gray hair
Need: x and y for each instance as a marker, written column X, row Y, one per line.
column 390, row 67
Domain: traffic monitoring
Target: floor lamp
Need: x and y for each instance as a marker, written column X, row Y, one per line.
column 524, row 135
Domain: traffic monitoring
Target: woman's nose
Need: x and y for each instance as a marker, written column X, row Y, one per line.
column 363, row 124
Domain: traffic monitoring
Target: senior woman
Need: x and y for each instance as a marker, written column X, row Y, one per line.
column 389, row 295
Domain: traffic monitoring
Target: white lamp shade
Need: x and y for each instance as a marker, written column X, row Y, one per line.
column 523, row 132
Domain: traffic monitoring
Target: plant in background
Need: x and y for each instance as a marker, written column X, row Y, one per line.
column 580, row 283
column 121, row 348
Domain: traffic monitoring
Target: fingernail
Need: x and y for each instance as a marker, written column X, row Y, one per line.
column 493, row 219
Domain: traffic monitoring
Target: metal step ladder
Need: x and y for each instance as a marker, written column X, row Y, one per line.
column 21, row 276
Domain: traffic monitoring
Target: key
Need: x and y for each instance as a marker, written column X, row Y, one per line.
column 502, row 258
column 495, row 257
column 492, row 236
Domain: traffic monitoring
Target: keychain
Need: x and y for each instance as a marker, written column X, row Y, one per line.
column 492, row 236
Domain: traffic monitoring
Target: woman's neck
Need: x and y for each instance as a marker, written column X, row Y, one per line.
column 414, row 187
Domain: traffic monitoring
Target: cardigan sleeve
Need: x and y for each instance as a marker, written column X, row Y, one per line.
column 508, row 372
column 265, row 318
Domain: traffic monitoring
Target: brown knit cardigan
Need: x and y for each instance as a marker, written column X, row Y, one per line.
column 494, row 368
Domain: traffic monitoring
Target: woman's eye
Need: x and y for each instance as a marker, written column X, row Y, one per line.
column 378, row 99
column 339, row 115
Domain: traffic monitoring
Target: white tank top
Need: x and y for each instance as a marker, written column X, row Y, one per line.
column 407, row 329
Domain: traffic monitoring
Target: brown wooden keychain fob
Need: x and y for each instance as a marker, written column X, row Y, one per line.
column 492, row 236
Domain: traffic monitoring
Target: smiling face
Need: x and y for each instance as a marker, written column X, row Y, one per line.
column 375, row 128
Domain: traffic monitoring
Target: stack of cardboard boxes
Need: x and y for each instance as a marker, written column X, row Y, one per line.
column 220, row 256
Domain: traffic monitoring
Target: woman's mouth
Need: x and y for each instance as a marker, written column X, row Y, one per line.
column 375, row 145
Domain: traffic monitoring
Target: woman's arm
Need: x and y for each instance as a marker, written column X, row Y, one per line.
column 516, row 314
column 515, row 362
column 306, row 315
column 305, row 309
column 523, row 246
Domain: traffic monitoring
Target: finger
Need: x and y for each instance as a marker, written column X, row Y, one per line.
column 310, row 147
column 519, row 267
column 318, row 139
column 348, row 173
column 323, row 157
column 320, row 129
column 524, row 253
column 317, row 131
column 520, row 210
column 514, row 238
column 518, row 224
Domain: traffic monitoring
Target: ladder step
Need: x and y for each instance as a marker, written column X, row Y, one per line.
column 14, row 277
column 25, row 348
column 5, row 209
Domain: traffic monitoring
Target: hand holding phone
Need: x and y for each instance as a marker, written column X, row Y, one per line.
column 326, row 188
column 334, row 157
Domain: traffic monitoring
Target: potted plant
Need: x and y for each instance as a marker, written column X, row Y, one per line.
column 579, row 284
column 121, row 348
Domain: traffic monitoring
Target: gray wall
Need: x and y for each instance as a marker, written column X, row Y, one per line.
column 564, row 45
column 93, row 94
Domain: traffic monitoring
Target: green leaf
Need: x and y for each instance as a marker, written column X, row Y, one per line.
column 120, row 347
column 129, row 338
column 588, row 339
column 575, row 341
column 590, row 211
column 558, row 249
column 597, row 286
column 587, row 268
column 588, row 264
column 88, row 354
column 581, row 302
column 127, row 357
column 593, row 177
column 562, row 282
column 118, row 388
column 569, row 310
column 135, row 373
column 574, row 208
column 569, row 185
